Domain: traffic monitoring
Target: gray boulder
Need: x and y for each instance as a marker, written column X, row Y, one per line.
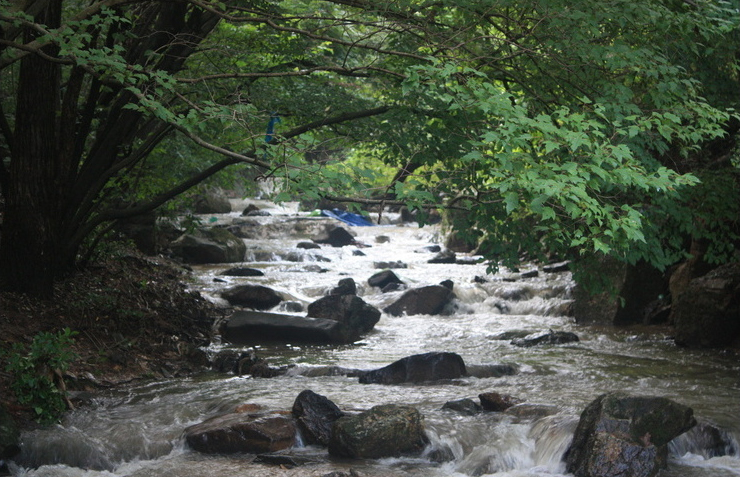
column 315, row 415
column 429, row 300
column 212, row 202
column 346, row 286
column 357, row 316
column 241, row 432
column 242, row 272
column 252, row 296
column 383, row 279
column 463, row 406
column 388, row 430
column 707, row 313
column 214, row 245
column 620, row 435
column 418, row 368
column 551, row 337
column 250, row 327
column 336, row 237
column 497, row 402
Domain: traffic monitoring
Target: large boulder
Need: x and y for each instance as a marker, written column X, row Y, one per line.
column 214, row 245
column 628, row 292
column 250, row 327
column 418, row 368
column 388, row 430
column 336, row 237
column 707, row 313
column 212, row 202
column 258, row 297
column 429, row 300
column 241, row 432
column 383, row 279
column 620, row 435
column 315, row 415
column 357, row 316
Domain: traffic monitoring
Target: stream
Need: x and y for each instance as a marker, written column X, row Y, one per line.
column 138, row 431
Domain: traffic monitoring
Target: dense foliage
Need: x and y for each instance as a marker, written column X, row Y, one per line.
column 548, row 126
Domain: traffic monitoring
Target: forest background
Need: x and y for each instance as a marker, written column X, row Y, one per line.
column 574, row 129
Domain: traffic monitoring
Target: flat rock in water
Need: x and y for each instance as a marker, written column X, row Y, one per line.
column 388, row 430
column 429, row 300
column 240, row 432
column 419, row 368
column 551, row 337
column 250, row 327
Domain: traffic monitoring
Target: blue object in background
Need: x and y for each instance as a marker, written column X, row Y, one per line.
column 347, row 217
column 274, row 119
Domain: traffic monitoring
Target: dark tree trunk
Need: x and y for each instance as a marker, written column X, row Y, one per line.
column 29, row 251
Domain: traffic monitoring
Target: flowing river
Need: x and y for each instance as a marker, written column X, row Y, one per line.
column 137, row 432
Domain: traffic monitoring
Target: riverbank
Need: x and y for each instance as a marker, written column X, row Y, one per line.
column 134, row 319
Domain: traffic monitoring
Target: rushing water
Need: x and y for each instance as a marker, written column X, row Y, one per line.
column 138, row 432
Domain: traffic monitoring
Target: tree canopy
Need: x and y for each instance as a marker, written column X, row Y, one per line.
column 548, row 125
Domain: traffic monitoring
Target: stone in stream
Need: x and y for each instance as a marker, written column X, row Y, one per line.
column 707, row 440
column 388, row 430
column 242, row 272
column 346, row 286
column 418, row 368
column 383, row 279
column 241, row 432
column 429, row 300
column 356, row 316
column 251, row 327
column 336, row 237
column 620, row 435
column 496, row 402
column 315, row 415
column 214, row 245
column 258, row 297
column 463, row 406
column 551, row 337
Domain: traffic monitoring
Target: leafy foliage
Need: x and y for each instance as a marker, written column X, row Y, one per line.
column 34, row 369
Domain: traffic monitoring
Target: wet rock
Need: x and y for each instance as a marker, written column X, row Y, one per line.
column 291, row 306
column 242, row 272
column 258, row 213
column 462, row 243
column 382, row 239
column 253, row 327
column 214, row 245
column 706, row 314
column 284, row 460
column 492, row 370
column 706, row 440
column 308, row 245
column 384, row 278
column 212, row 202
column 358, row 253
column 463, row 406
column 388, row 430
column 419, row 368
column 257, row 297
column 530, row 273
column 430, row 249
column 391, row 287
column 551, row 337
column 429, row 300
column 390, row 265
column 346, row 286
column 447, row 256
column 249, row 209
column 315, row 415
column 225, row 361
column 449, row 284
column 351, row 311
column 622, row 435
column 336, row 237
column 496, row 402
column 351, row 473
column 532, row 411
column 9, row 435
column 240, row 432
column 557, row 267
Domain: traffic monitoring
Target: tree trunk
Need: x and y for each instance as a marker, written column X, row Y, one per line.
column 29, row 252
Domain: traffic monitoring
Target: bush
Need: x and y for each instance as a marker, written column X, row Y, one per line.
column 37, row 373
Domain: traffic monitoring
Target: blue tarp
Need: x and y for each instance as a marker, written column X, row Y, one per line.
column 347, row 217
